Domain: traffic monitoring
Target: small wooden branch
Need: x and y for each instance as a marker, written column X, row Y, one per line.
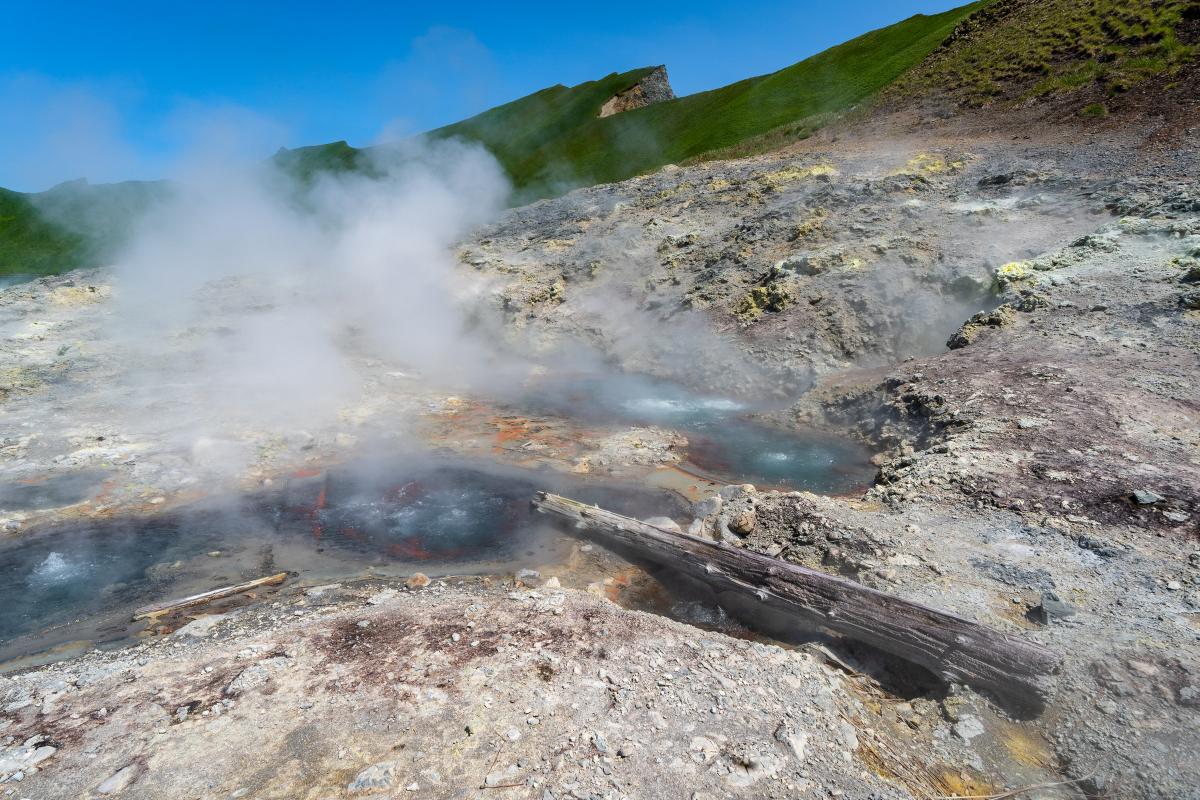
column 155, row 611
column 957, row 650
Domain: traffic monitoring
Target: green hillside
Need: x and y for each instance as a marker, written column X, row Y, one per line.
column 549, row 142
column 517, row 131
column 1015, row 50
column 30, row 245
column 511, row 132
column 552, row 141
column 617, row 147
column 73, row 225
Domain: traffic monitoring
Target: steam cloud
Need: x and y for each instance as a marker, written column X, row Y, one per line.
column 251, row 299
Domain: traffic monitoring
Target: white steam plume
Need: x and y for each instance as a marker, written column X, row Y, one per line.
column 252, row 299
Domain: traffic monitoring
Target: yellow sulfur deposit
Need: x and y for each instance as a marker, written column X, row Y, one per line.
column 795, row 172
column 79, row 295
column 930, row 164
column 1012, row 272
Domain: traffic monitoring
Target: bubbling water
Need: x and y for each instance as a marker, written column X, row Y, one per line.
column 725, row 441
column 55, row 569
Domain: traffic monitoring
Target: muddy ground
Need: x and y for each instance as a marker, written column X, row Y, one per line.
column 1012, row 322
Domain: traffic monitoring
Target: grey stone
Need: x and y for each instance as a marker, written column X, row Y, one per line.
column 41, row 754
column 708, row 507
column 374, row 777
column 381, row 597
column 1052, row 607
column 255, row 675
column 797, row 265
column 1146, row 497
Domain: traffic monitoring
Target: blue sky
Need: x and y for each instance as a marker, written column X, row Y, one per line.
column 129, row 89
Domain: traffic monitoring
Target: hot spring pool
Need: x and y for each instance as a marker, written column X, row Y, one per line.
column 725, row 441
column 82, row 580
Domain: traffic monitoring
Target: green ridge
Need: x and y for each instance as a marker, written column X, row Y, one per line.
column 553, row 140
column 620, row 146
column 549, row 142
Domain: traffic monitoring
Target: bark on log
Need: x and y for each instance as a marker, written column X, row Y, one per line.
column 161, row 609
column 957, row 650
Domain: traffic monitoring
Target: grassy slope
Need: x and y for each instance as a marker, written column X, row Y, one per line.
column 620, row 146
column 515, row 131
column 552, row 140
column 29, row 245
column 72, row 225
column 549, row 141
column 511, row 131
column 1018, row 49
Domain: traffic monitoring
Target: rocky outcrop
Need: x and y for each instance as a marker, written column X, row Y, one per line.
column 654, row 88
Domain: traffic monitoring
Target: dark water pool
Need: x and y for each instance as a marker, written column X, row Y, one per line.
column 725, row 440
column 82, row 580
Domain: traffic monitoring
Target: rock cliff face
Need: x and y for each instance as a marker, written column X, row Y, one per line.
column 654, row 88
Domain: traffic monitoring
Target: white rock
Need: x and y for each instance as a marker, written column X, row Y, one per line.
column 118, row 780
column 199, row 628
column 42, row 753
column 798, row 742
column 968, row 727
column 379, row 598
column 761, row 766
column 502, row 777
column 706, row 747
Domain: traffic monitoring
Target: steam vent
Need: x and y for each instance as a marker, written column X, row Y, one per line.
column 654, row 88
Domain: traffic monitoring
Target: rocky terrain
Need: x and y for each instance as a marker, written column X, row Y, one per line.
column 1010, row 321
column 654, row 88
column 444, row 691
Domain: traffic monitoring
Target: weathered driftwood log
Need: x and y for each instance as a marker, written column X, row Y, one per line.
column 958, row 650
column 161, row 609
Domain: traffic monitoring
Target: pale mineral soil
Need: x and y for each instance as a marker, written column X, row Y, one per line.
column 446, row 691
column 1007, row 480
